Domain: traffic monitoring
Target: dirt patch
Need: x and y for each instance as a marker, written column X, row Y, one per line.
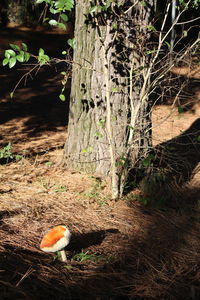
column 119, row 249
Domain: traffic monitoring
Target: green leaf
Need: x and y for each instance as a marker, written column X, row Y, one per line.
column 72, row 43
column 120, row 3
column 11, row 95
column 147, row 161
column 39, row 1
column 49, row 163
column 41, row 51
column 63, row 5
column 15, row 47
column 131, row 127
column 185, row 33
column 12, row 62
column 12, row 52
column 115, row 26
column 20, row 57
column 142, row 3
column 115, row 90
column 26, row 56
column 46, row 57
column 24, row 47
column 53, row 22
column 6, row 152
column 5, row 61
column 93, row 9
column 62, row 97
column 53, row 11
column 43, row 58
column 9, row 53
column 64, row 17
column 180, row 110
column 168, row 44
column 87, row 150
column 151, row 27
column 113, row 118
column 98, row 134
column 64, row 52
column 102, row 123
column 18, row 157
column 151, row 51
column 62, row 26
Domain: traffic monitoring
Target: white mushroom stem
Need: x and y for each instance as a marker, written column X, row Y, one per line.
column 63, row 255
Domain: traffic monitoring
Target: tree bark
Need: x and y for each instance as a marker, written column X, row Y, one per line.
column 110, row 116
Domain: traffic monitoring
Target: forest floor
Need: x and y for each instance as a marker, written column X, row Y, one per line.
column 119, row 249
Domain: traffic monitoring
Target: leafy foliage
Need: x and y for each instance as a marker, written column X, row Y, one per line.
column 83, row 256
column 15, row 54
column 194, row 3
column 148, row 160
column 21, row 54
column 104, row 6
column 72, row 43
column 6, row 153
column 59, row 5
column 58, row 8
column 42, row 57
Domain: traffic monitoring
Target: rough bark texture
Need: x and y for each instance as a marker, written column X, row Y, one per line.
column 109, row 107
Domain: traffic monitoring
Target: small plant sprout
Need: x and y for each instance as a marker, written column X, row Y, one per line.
column 83, row 256
column 56, row 240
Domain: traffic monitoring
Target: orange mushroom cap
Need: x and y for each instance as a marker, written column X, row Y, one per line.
column 56, row 239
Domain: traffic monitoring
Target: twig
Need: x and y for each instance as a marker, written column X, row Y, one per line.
column 28, row 272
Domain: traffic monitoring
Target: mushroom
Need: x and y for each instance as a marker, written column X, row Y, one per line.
column 56, row 240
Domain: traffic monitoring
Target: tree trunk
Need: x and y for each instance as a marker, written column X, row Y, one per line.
column 109, row 119
column 19, row 12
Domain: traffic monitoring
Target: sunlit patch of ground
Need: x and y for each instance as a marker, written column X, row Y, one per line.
column 169, row 123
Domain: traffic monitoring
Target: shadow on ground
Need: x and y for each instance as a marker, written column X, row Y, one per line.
column 179, row 90
column 175, row 162
column 36, row 98
column 161, row 262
